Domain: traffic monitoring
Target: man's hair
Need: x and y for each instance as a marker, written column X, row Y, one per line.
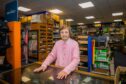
column 66, row 27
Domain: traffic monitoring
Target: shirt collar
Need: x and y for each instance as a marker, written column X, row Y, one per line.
column 66, row 42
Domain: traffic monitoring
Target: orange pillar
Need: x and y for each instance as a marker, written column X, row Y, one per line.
column 14, row 52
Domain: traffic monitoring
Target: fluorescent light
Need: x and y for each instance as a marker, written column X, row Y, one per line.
column 69, row 20
column 80, row 23
column 56, row 11
column 117, row 14
column 97, row 22
column 24, row 9
column 90, row 17
column 118, row 20
column 86, row 4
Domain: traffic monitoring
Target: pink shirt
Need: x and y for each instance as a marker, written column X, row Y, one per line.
column 65, row 54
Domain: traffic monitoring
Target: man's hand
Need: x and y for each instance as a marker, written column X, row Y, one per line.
column 62, row 75
column 41, row 68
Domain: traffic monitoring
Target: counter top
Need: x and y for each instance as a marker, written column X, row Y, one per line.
column 25, row 75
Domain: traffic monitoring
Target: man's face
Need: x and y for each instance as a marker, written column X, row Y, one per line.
column 65, row 35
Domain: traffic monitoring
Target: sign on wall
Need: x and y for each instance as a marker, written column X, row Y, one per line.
column 11, row 11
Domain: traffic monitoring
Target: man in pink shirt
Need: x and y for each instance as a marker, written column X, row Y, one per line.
column 65, row 53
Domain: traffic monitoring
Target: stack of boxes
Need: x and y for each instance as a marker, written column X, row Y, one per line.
column 102, row 60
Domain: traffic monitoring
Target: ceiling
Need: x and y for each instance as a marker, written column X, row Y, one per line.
column 102, row 11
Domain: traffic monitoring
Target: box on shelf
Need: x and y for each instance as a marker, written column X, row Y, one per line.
column 101, row 58
column 36, row 18
column 102, row 65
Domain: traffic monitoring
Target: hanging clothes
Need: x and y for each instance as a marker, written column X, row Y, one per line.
column 25, row 44
column 26, row 37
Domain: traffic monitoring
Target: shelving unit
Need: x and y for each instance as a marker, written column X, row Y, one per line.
column 83, row 41
column 45, row 38
column 45, row 41
column 56, row 33
column 116, row 37
column 74, row 32
column 41, row 38
column 49, row 38
column 33, row 46
column 25, row 29
column 102, row 61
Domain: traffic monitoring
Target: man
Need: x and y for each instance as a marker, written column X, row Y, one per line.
column 65, row 53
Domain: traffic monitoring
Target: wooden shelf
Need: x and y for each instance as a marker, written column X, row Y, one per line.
column 49, row 36
column 49, row 43
column 83, row 55
column 101, row 71
column 83, row 58
column 33, row 56
column 82, row 36
column 56, row 37
column 83, row 42
column 45, row 35
column 83, row 49
column 116, row 33
column 42, row 47
column 50, row 39
column 43, row 29
column 82, row 67
column 48, row 32
column 49, row 49
column 101, row 61
column 50, row 24
column 50, row 28
column 100, row 48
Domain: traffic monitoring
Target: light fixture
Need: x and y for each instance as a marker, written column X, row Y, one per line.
column 118, row 20
column 96, row 22
column 86, row 4
column 80, row 23
column 69, row 20
column 117, row 14
column 24, row 9
column 89, row 17
column 56, row 11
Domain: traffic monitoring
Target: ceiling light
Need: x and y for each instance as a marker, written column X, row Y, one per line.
column 90, row 17
column 86, row 4
column 117, row 14
column 24, row 9
column 56, row 11
column 69, row 20
column 97, row 22
column 118, row 20
column 80, row 23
